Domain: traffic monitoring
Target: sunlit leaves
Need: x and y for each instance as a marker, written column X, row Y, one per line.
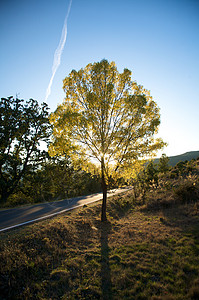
column 106, row 116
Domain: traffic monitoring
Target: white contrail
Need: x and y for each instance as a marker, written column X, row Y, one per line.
column 58, row 52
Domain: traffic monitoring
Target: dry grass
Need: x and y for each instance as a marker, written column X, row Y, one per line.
column 140, row 253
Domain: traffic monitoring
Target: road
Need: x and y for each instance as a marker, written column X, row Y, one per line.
column 15, row 217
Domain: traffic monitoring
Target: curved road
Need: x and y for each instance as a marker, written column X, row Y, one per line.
column 12, row 218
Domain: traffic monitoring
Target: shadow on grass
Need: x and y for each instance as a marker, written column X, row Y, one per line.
column 106, row 284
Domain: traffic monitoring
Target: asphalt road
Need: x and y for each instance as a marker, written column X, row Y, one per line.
column 13, row 218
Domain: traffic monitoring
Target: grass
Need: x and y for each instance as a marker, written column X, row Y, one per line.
column 139, row 253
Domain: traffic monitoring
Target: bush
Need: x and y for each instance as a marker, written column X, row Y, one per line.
column 186, row 192
column 18, row 199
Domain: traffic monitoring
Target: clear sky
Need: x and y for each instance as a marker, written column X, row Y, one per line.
column 158, row 40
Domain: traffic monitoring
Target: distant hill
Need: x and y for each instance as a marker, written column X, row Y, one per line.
column 173, row 160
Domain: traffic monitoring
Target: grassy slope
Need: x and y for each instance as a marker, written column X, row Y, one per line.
column 148, row 251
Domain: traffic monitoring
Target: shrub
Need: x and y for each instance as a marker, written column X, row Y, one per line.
column 186, row 192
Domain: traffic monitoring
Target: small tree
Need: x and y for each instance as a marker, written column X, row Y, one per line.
column 107, row 117
column 163, row 165
column 23, row 126
column 151, row 173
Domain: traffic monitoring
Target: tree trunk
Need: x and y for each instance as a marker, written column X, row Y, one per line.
column 104, row 190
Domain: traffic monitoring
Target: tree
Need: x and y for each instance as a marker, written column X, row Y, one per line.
column 23, row 126
column 106, row 117
column 56, row 178
column 61, row 179
column 163, row 165
column 151, row 173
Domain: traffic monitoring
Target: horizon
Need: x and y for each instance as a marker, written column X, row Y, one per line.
column 180, row 154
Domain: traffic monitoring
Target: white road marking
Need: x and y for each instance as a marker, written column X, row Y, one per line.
column 47, row 216
column 59, row 212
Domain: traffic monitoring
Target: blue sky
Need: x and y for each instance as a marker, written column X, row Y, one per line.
column 158, row 40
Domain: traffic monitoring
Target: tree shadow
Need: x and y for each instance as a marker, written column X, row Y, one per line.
column 106, row 284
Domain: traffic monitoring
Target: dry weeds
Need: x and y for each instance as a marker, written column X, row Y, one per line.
column 140, row 253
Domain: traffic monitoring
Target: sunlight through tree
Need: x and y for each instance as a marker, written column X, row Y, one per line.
column 107, row 117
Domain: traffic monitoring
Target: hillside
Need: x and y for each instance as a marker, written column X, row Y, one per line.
column 148, row 249
column 173, row 160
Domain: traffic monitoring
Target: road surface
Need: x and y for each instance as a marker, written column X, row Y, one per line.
column 13, row 218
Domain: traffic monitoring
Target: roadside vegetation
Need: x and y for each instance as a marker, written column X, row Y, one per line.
column 27, row 172
column 56, row 179
column 147, row 249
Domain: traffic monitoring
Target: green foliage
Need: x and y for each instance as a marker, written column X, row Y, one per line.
column 107, row 114
column 163, row 165
column 107, row 117
column 56, row 179
column 180, row 182
column 151, row 173
column 23, row 126
column 146, row 179
column 179, row 185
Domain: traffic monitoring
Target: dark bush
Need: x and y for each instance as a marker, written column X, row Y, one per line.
column 186, row 192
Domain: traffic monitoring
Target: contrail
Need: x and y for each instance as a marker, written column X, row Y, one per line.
column 58, row 52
